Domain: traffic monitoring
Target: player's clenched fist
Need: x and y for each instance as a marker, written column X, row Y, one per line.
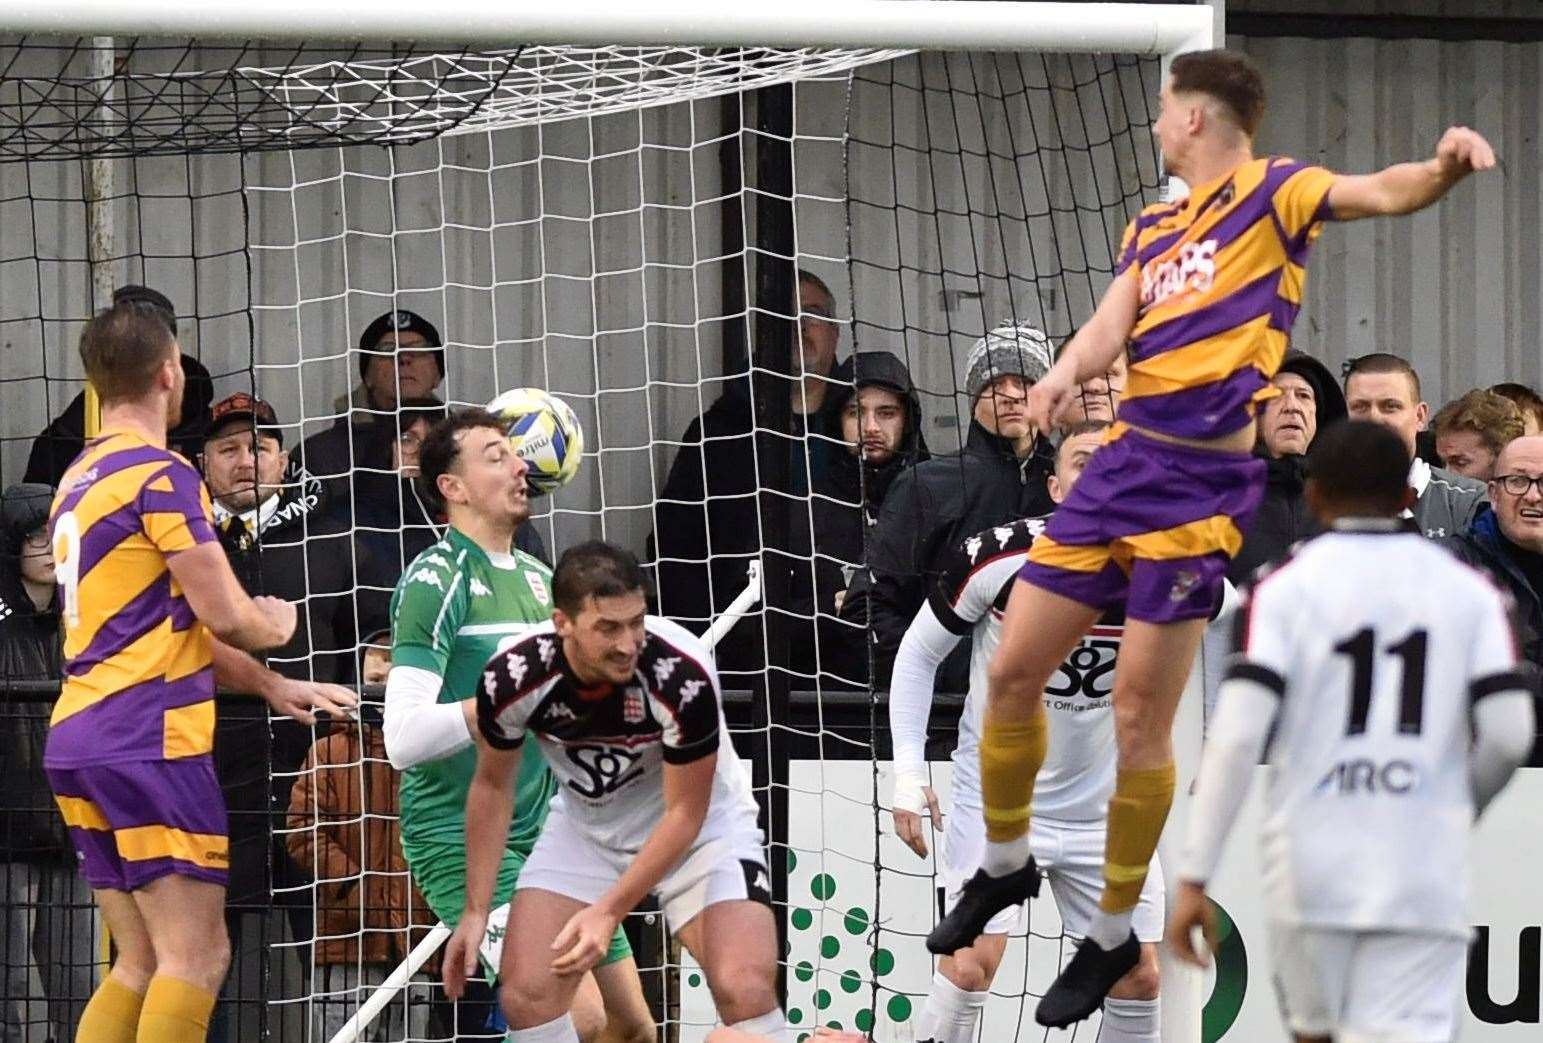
column 280, row 614
column 1463, row 150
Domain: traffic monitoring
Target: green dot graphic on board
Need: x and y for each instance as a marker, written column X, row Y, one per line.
column 694, row 980
column 795, row 1016
column 792, row 860
column 851, row 981
column 833, row 1025
column 863, row 1020
column 821, row 999
column 804, row 971
column 856, row 920
column 882, row 961
column 830, row 945
column 898, row 1008
column 823, row 887
column 802, row 918
column 1231, row 984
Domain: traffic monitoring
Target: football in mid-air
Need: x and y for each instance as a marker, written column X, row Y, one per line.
column 544, row 431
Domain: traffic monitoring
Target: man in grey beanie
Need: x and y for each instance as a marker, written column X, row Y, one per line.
column 999, row 476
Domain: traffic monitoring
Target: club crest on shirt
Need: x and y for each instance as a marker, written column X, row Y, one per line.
column 632, row 709
column 538, row 587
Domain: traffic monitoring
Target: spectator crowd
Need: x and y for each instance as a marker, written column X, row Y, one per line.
column 872, row 513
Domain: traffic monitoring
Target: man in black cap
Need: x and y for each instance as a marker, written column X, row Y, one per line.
column 61, row 441
column 401, row 356
column 1309, row 401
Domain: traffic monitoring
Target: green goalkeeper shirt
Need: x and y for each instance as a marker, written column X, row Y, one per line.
column 454, row 607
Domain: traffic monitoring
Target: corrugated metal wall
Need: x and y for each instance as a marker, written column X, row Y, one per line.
column 1455, row 288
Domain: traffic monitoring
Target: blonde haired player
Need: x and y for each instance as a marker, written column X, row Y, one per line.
column 1205, row 293
column 1377, row 678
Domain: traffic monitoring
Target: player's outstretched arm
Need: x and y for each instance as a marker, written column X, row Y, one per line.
column 301, row 700
column 925, row 645
column 489, row 810
column 216, row 598
column 687, row 789
column 1406, row 187
column 1091, row 351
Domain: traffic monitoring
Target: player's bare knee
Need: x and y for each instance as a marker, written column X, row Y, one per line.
column 1140, row 984
column 527, row 1003
column 743, row 992
column 968, row 972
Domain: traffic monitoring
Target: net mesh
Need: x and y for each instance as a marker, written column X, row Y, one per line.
column 620, row 227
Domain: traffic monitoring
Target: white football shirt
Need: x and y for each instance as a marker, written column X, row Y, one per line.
column 607, row 744
column 1361, row 660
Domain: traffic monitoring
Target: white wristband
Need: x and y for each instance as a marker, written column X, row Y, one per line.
column 909, row 783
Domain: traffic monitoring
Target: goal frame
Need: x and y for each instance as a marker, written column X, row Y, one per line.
column 1162, row 30
column 1131, row 28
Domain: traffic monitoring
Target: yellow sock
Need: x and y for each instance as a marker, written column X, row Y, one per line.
column 1137, row 812
column 111, row 1016
column 1011, row 754
column 175, row 1011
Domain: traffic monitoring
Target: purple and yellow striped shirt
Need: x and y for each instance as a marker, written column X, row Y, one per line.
column 1221, row 283
column 138, row 673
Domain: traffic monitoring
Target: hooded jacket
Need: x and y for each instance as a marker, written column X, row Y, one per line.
column 57, row 446
column 1283, row 519
column 30, row 650
column 844, row 510
column 929, row 509
column 708, row 514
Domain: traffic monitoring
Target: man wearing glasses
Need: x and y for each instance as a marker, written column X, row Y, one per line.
column 1508, row 541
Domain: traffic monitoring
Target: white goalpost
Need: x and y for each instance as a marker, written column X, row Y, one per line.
column 611, row 201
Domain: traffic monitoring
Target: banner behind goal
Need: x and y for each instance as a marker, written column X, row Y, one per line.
column 622, row 225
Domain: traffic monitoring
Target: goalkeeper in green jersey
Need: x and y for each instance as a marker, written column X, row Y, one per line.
column 457, row 604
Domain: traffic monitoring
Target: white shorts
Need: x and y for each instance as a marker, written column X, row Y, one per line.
column 1072, row 859
column 726, row 864
column 1368, row 986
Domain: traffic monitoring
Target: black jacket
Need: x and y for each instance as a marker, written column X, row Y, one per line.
column 708, row 515
column 305, row 557
column 30, row 650
column 1283, row 519
column 57, row 446
column 929, row 509
column 844, row 510
column 1516, row 570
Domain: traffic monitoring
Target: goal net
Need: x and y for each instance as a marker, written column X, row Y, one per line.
column 627, row 227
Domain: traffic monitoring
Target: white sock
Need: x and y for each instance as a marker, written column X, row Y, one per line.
column 1109, row 930
column 1129, row 1021
column 772, row 1025
column 950, row 1014
column 1006, row 856
column 559, row 1031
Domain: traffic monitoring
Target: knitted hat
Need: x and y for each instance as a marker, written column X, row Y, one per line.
column 23, row 510
column 1012, row 349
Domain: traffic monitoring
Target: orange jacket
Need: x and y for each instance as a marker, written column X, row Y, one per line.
column 344, row 816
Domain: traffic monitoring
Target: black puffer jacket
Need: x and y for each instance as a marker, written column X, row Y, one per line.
column 844, row 510
column 30, row 650
column 929, row 509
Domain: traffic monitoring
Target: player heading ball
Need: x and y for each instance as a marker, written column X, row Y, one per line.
column 652, row 799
